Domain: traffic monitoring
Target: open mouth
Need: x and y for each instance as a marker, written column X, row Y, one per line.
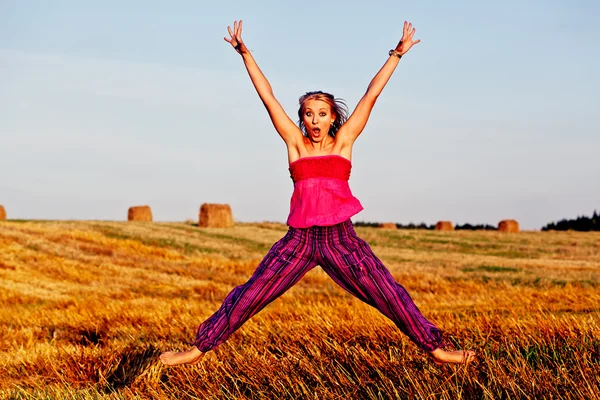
column 317, row 132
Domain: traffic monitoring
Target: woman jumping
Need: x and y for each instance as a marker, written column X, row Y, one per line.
column 320, row 231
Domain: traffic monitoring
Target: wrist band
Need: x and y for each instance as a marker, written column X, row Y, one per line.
column 395, row 53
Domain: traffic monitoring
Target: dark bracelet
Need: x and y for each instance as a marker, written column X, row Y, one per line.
column 395, row 53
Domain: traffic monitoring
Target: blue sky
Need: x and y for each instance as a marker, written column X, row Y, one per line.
column 494, row 115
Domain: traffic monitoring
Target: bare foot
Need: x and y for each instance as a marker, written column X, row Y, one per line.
column 442, row 357
column 192, row 356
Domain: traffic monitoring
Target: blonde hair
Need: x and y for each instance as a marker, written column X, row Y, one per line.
column 338, row 108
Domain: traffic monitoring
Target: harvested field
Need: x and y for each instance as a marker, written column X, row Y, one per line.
column 88, row 306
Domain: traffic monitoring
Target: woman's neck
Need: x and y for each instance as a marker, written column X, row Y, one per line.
column 322, row 147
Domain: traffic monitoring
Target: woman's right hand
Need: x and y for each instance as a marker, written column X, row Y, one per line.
column 286, row 128
column 236, row 37
column 407, row 39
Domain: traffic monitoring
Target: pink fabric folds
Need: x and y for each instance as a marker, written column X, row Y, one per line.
column 322, row 196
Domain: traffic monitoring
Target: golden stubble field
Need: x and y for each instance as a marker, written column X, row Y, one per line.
column 86, row 307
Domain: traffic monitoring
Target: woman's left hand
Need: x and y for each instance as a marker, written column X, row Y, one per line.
column 407, row 38
column 236, row 37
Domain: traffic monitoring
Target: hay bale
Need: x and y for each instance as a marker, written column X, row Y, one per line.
column 388, row 225
column 215, row 216
column 444, row 226
column 139, row 213
column 2, row 213
column 508, row 225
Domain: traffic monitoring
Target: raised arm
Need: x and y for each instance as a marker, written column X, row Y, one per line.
column 286, row 128
column 357, row 121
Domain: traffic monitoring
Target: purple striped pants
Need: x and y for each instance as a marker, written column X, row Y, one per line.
column 346, row 258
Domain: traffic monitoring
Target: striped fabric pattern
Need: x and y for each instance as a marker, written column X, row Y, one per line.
column 346, row 258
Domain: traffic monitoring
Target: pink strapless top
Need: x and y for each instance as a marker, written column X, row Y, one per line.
column 322, row 196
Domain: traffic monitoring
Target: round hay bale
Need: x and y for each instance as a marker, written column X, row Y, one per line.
column 139, row 213
column 508, row 225
column 2, row 213
column 444, row 226
column 215, row 216
column 388, row 225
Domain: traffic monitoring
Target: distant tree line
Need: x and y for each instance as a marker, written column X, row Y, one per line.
column 582, row 224
column 480, row 227
column 423, row 225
